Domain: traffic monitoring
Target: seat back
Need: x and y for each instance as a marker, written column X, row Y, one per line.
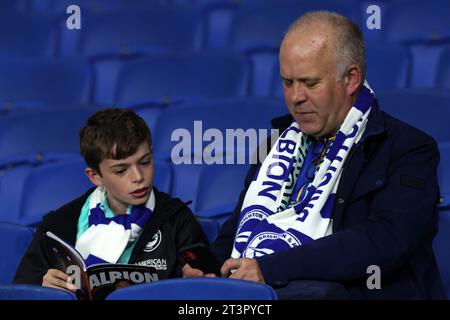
column 14, row 240
column 39, row 132
column 51, row 186
column 44, row 81
column 443, row 74
column 210, row 228
column 156, row 79
column 26, row 35
column 219, row 189
column 32, row 292
column 196, row 289
column 442, row 250
column 408, row 105
column 444, row 174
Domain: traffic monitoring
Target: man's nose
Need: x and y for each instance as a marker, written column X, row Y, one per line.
column 298, row 94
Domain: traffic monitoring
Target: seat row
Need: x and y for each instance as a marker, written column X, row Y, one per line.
column 29, row 134
column 399, row 53
column 167, row 79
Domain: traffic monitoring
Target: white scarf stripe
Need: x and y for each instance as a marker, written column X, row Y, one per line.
column 108, row 241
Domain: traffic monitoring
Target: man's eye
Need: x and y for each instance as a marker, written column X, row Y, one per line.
column 287, row 83
column 311, row 84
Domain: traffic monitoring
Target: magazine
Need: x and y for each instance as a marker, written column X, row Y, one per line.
column 97, row 281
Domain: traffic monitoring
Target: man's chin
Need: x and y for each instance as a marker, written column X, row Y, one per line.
column 309, row 130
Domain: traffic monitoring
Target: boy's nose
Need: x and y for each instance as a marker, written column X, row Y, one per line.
column 137, row 176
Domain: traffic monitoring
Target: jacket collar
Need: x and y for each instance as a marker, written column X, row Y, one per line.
column 376, row 126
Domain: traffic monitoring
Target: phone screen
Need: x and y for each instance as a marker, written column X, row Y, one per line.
column 198, row 256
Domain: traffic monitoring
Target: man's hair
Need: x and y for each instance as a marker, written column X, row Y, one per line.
column 112, row 134
column 348, row 39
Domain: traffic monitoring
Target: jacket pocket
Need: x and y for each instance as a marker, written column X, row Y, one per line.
column 367, row 184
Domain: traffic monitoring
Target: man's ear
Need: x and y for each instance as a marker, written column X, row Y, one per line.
column 93, row 176
column 353, row 79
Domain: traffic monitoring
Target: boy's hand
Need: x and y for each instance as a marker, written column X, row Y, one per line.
column 55, row 278
column 189, row 272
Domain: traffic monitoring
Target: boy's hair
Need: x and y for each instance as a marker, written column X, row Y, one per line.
column 112, row 134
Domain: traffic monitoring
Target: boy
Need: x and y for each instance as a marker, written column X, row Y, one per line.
column 124, row 219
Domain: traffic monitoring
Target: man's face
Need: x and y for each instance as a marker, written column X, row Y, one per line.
column 127, row 181
column 316, row 100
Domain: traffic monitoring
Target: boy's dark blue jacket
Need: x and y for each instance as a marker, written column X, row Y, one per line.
column 385, row 214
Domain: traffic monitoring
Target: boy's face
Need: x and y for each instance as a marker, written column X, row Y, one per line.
column 126, row 181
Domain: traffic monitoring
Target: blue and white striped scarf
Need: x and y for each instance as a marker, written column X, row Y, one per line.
column 266, row 225
column 107, row 237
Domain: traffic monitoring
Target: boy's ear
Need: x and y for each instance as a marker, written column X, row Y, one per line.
column 93, row 176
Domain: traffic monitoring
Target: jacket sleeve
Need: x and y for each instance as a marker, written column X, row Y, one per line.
column 35, row 262
column 402, row 217
column 187, row 232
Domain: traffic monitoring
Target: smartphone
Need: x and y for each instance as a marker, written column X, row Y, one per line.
column 198, row 256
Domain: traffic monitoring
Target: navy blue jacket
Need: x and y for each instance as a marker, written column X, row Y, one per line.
column 385, row 214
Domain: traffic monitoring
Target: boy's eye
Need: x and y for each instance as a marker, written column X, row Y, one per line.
column 145, row 162
column 120, row 172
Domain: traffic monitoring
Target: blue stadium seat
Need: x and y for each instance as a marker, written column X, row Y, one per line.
column 210, row 228
column 12, row 181
column 13, row 5
column 150, row 115
column 51, row 186
column 425, row 109
column 132, row 31
column 418, row 21
column 162, row 178
column 217, row 16
column 443, row 70
column 195, row 134
column 44, row 81
column 56, row 7
column 444, row 174
column 441, row 248
column 32, row 292
column 113, row 38
column 37, row 132
column 156, row 80
column 423, row 26
column 26, row 35
column 387, row 67
column 196, row 289
column 219, row 189
column 14, row 240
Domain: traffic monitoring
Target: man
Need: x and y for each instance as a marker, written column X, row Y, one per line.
column 345, row 189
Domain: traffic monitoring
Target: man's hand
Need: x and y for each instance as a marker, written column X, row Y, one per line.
column 189, row 272
column 57, row 279
column 245, row 269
